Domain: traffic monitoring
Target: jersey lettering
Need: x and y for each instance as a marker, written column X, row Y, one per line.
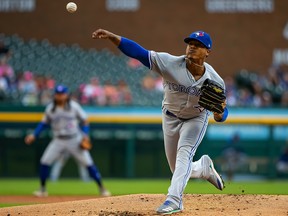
column 181, row 88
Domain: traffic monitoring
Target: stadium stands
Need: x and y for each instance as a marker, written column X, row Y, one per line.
column 75, row 67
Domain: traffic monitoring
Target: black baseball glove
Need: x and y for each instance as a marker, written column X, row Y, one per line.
column 212, row 96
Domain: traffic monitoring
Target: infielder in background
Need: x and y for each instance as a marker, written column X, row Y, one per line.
column 70, row 128
column 184, row 121
column 58, row 165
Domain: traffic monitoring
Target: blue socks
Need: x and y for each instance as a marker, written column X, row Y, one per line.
column 95, row 174
column 44, row 173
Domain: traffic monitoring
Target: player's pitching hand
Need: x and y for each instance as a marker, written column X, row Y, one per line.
column 104, row 34
column 29, row 139
column 101, row 34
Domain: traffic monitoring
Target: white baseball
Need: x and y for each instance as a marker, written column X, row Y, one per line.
column 71, row 7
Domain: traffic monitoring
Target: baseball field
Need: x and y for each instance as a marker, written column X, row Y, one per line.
column 141, row 197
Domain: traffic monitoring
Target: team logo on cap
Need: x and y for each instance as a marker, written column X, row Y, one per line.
column 201, row 34
column 60, row 88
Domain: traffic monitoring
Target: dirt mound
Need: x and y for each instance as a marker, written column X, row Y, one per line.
column 145, row 204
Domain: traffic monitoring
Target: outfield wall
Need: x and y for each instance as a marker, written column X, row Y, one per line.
column 128, row 142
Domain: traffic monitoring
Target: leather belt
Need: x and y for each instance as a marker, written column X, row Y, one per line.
column 64, row 137
column 167, row 112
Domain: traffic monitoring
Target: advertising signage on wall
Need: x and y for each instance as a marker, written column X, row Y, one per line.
column 17, row 5
column 122, row 5
column 280, row 57
column 239, row 6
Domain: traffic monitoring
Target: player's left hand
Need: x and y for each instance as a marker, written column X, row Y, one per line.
column 219, row 116
column 212, row 96
column 86, row 143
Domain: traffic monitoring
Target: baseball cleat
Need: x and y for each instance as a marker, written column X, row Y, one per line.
column 105, row 193
column 210, row 174
column 40, row 193
column 168, row 207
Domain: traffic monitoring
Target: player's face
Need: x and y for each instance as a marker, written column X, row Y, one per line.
column 196, row 50
column 61, row 97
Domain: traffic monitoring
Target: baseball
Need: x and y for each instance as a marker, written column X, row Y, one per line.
column 71, row 7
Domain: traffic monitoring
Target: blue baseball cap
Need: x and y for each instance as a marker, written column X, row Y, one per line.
column 202, row 37
column 61, row 89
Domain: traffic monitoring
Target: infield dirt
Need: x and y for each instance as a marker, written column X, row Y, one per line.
column 145, row 204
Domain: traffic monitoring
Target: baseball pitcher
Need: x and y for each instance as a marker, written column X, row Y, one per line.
column 192, row 88
column 70, row 128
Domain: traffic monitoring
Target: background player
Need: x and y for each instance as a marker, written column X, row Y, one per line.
column 58, row 165
column 65, row 117
column 184, row 122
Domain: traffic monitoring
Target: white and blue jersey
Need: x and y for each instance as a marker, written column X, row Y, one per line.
column 181, row 90
column 64, row 121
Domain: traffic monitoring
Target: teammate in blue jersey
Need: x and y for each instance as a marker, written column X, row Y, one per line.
column 184, row 121
column 69, row 124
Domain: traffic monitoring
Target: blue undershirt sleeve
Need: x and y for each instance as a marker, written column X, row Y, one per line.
column 225, row 115
column 40, row 127
column 134, row 50
column 85, row 129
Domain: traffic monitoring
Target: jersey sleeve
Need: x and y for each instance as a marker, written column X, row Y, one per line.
column 81, row 114
column 158, row 61
column 46, row 116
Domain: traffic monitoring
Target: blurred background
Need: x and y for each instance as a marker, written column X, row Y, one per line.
column 42, row 45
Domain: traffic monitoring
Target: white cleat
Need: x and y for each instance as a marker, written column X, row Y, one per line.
column 40, row 193
column 105, row 193
column 210, row 174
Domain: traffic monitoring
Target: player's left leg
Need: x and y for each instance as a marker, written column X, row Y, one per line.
column 204, row 168
column 84, row 157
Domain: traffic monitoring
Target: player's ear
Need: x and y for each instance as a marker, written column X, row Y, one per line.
column 207, row 52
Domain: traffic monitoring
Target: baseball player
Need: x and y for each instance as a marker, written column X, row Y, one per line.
column 69, row 124
column 58, row 165
column 184, row 121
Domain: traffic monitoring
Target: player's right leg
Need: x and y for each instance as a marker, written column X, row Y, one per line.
column 171, row 129
column 58, row 166
column 50, row 154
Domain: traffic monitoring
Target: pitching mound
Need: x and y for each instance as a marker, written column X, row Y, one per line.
column 145, row 204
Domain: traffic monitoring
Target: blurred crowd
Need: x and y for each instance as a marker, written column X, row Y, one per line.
column 245, row 89
column 249, row 89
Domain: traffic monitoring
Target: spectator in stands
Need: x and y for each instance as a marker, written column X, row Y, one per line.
column 5, row 52
column 45, row 85
column 148, row 82
column 244, row 97
column 111, row 94
column 230, row 91
column 159, row 84
column 134, row 63
column 124, row 93
column 28, row 88
column 233, row 156
column 93, row 93
column 284, row 99
column 282, row 164
column 3, row 88
column 6, row 71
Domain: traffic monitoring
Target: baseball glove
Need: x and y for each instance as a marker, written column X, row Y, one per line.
column 85, row 144
column 212, row 96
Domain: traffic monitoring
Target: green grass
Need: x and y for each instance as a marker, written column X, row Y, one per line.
column 2, row 205
column 135, row 186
